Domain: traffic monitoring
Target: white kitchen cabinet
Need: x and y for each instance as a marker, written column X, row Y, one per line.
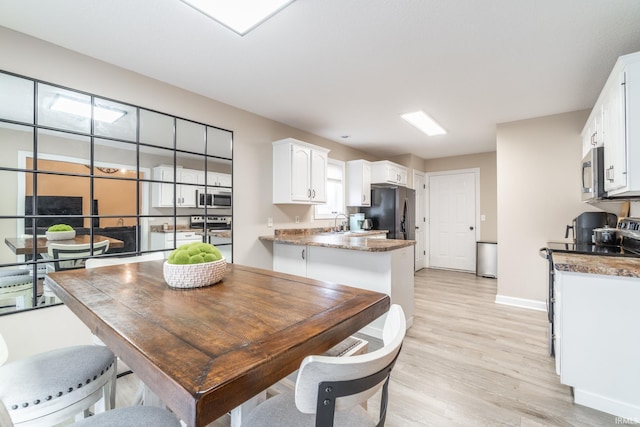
column 299, row 172
column 599, row 350
column 358, row 183
column 290, row 259
column 162, row 193
column 389, row 272
column 161, row 240
column 386, row 172
column 615, row 124
column 592, row 134
column 215, row 179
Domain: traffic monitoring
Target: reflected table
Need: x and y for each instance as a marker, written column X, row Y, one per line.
column 24, row 246
column 205, row 351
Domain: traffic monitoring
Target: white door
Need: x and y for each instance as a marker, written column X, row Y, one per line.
column 421, row 230
column 452, row 225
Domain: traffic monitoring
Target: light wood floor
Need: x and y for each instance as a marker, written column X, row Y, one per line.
column 468, row 361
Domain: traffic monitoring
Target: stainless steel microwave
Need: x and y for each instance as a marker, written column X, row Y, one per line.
column 213, row 198
column 593, row 175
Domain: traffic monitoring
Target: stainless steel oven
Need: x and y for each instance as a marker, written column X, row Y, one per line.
column 213, row 198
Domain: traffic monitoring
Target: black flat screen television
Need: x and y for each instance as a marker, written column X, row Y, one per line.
column 52, row 208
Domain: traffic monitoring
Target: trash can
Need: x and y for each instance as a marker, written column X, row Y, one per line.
column 487, row 259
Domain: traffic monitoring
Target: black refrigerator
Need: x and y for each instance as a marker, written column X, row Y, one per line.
column 393, row 208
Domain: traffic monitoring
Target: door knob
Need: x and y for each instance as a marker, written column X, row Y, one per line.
column 471, row 228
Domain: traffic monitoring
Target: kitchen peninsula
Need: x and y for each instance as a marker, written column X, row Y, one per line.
column 363, row 260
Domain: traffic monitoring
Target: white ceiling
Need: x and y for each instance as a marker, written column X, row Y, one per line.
column 351, row 67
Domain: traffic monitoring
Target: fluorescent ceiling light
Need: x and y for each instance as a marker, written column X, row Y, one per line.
column 83, row 109
column 425, row 123
column 240, row 16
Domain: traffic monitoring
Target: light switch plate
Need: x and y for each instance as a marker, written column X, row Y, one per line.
column 269, row 222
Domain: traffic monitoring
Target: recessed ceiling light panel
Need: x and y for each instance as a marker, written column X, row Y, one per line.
column 425, row 123
column 83, row 109
column 240, row 16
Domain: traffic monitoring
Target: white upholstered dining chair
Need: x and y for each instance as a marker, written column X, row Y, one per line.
column 16, row 289
column 330, row 390
column 55, row 386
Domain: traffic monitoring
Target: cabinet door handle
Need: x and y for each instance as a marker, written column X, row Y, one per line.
column 610, row 174
column 364, row 197
column 309, row 193
column 314, row 194
column 303, row 253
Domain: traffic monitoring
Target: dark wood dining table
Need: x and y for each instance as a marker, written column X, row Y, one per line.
column 24, row 245
column 205, row 351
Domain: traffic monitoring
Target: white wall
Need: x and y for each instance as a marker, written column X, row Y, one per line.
column 538, row 163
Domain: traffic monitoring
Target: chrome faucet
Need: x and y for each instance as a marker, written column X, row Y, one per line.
column 121, row 221
column 335, row 222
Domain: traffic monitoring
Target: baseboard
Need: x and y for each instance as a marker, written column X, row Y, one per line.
column 626, row 412
column 522, row 303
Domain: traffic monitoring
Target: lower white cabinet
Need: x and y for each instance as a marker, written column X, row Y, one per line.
column 389, row 272
column 165, row 240
column 290, row 259
column 597, row 323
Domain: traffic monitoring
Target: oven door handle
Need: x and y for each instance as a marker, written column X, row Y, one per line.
column 544, row 253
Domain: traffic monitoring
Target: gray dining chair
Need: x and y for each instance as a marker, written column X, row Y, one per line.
column 330, row 390
column 132, row 416
column 55, row 386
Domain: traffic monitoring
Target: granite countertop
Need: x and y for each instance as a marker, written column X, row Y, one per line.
column 626, row 266
column 350, row 240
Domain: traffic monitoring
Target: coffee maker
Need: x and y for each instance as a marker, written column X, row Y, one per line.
column 584, row 224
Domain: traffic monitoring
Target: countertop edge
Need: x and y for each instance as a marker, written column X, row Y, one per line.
column 379, row 245
column 597, row 264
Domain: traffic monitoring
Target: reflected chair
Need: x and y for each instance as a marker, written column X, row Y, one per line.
column 52, row 387
column 16, row 289
column 330, row 390
column 68, row 257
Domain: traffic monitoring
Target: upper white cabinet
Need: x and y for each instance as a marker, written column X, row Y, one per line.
column 386, row 172
column 299, row 172
column 358, row 183
column 162, row 193
column 615, row 124
column 215, row 179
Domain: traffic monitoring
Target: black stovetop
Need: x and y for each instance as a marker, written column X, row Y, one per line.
column 593, row 249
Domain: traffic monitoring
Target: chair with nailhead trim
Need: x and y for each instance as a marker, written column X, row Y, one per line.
column 16, row 290
column 132, row 416
column 59, row 385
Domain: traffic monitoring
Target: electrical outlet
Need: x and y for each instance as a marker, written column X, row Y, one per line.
column 297, row 219
column 483, row 218
column 269, row 222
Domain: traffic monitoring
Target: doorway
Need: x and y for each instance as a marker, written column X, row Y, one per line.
column 419, row 184
column 454, row 205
